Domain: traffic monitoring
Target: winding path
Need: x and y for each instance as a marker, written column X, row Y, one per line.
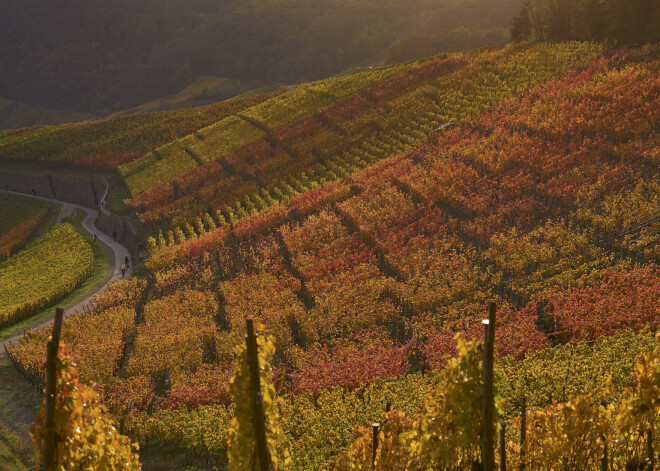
column 118, row 251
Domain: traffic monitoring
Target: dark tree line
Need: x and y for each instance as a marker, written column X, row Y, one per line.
column 620, row 21
column 452, row 40
column 105, row 55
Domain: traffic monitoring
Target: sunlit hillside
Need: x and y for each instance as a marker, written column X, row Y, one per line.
column 367, row 219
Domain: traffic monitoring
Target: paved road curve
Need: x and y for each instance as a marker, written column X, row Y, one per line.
column 118, row 251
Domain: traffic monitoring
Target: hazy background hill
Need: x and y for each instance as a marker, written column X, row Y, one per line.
column 14, row 115
column 100, row 56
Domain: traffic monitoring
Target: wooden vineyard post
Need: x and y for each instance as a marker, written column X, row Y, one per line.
column 523, row 433
column 502, row 446
column 255, row 396
column 603, row 462
column 50, row 443
column 488, row 403
column 374, row 449
column 649, row 449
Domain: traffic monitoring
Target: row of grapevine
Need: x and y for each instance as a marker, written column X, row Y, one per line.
column 15, row 209
column 115, row 141
column 43, row 272
column 584, row 431
column 276, row 135
column 394, row 259
column 227, row 135
column 16, row 237
column 337, row 151
column 197, row 387
column 521, row 203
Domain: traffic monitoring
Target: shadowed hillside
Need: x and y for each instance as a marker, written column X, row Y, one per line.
column 108, row 56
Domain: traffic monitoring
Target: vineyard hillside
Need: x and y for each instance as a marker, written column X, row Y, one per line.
column 20, row 219
column 318, row 133
column 43, row 272
column 367, row 220
column 14, row 115
column 108, row 143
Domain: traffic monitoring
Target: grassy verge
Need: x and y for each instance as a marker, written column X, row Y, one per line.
column 19, row 404
column 8, row 461
column 116, row 196
column 16, row 454
column 103, row 267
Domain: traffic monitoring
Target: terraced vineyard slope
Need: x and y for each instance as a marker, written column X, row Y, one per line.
column 19, row 219
column 114, row 141
column 545, row 197
column 324, row 131
column 43, row 272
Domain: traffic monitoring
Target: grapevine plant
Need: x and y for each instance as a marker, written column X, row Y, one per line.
column 446, row 436
column 87, row 436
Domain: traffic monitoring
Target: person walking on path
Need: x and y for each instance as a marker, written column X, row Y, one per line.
column 127, row 261
column 123, row 269
column 94, row 237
